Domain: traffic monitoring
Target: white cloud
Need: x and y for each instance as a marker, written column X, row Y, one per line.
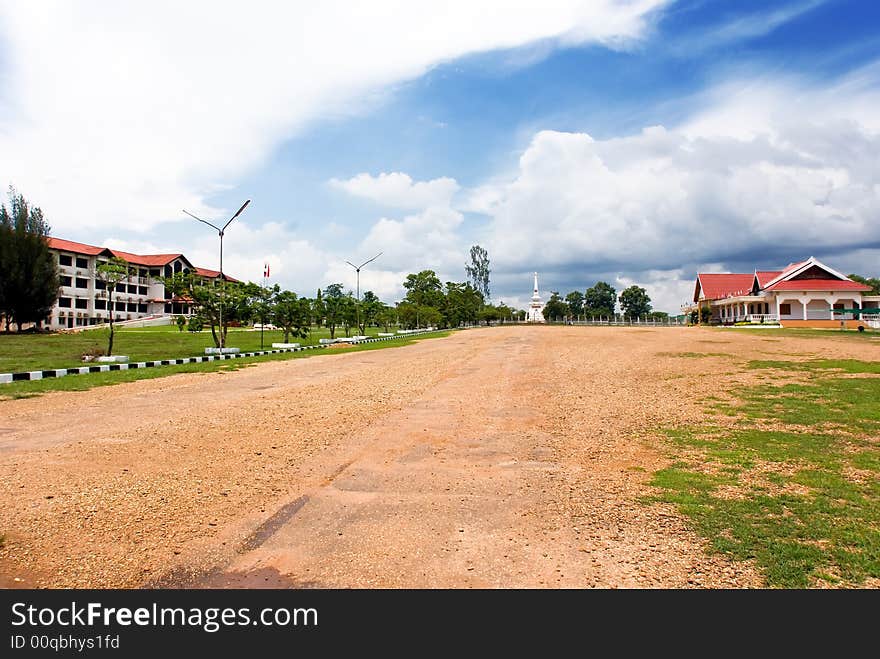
column 121, row 114
column 399, row 190
column 748, row 180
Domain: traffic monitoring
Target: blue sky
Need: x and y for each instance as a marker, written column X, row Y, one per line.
column 635, row 142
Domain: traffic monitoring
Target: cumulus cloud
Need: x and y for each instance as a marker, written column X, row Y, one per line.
column 744, row 182
column 399, row 190
column 121, row 114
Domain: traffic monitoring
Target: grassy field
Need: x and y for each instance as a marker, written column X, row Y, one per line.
column 31, row 352
column 796, row 485
column 91, row 380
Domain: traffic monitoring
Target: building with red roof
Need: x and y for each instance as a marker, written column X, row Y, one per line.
column 82, row 297
column 805, row 294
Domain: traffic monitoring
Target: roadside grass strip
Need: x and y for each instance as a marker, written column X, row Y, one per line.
column 39, row 382
column 794, row 483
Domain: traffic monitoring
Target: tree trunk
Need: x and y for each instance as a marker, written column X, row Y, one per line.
column 286, row 335
column 332, row 329
column 214, row 334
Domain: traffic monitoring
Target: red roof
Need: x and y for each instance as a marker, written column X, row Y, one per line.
column 818, row 285
column 212, row 274
column 765, row 276
column 77, row 248
column 145, row 259
column 715, row 286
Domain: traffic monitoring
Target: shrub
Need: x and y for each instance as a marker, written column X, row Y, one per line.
column 196, row 324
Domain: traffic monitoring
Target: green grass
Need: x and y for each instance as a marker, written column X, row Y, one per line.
column 800, row 498
column 28, row 389
column 805, row 332
column 32, row 352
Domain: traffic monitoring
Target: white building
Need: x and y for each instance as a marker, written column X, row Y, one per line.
column 805, row 294
column 82, row 297
column 536, row 307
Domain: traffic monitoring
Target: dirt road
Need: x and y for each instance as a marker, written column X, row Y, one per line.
column 502, row 457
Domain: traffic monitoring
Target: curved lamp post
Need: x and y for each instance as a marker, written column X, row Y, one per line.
column 220, row 232
column 357, row 269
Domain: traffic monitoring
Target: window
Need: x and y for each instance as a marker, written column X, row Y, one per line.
column 142, row 272
column 785, row 309
column 82, row 303
column 101, row 304
column 142, row 308
column 154, row 272
column 81, row 262
column 100, row 285
column 64, row 302
column 132, row 288
column 64, row 259
column 132, row 306
column 142, row 290
column 82, row 283
column 120, row 306
column 66, row 281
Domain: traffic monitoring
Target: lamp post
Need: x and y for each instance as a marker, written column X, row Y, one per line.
column 220, row 232
column 357, row 269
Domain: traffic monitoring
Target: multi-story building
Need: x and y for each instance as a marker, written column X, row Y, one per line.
column 83, row 298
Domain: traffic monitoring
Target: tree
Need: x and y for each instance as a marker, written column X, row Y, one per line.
column 478, row 271
column 461, row 304
column 504, row 312
column 111, row 273
column 319, row 309
column 239, row 301
column 555, row 307
column 873, row 282
column 181, row 322
column 29, row 280
column 292, row 314
column 634, row 302
column 489, row 313
column 575, row 301
column 424, row 289
column 371, row 305
column 599, row 300
column 386, row 317
column 334, row 307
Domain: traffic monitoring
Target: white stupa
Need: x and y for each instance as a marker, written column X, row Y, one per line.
column 536, row 307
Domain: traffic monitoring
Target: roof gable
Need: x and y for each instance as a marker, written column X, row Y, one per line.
column 77, row 248
column 812, row 265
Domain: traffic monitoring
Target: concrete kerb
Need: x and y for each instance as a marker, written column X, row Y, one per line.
column 24, row 376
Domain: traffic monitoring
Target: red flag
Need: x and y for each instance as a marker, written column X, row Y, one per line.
column 266, row 271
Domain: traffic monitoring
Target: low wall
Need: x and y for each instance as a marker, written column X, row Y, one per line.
column 823, row 324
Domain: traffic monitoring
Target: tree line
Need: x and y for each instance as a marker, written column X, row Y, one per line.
column 599, row 301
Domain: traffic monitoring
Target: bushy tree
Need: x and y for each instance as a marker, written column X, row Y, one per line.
column 238, row 301
column 575, row 302
column 181, row 322
column 634, row 302
column 461, row 305
column 337, row 308
column 424, row 289
column 599, row 300
column 292, row 314
column 555, row 308
column 371, row 305
column 386, row 317
column 29, row 280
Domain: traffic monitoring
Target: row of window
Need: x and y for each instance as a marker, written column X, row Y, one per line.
column 83, row 303
column 100, row 285
column 66, row 259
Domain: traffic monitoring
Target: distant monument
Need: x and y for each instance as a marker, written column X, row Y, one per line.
column 536, row 307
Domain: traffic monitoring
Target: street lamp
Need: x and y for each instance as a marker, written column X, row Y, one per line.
column 220, row 232
column 357, row 269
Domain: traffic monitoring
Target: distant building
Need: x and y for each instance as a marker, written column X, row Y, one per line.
column 805, row 294
column 83, row 300
column 536, row 307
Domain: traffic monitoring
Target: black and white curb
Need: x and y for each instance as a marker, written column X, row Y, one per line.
column 6, row 378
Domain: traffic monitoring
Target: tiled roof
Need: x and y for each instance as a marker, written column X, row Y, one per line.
column 715, row 286
column 818, row 285
column 76, row 248
column 212, row 274
column 765, row 276
column 145, row 259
